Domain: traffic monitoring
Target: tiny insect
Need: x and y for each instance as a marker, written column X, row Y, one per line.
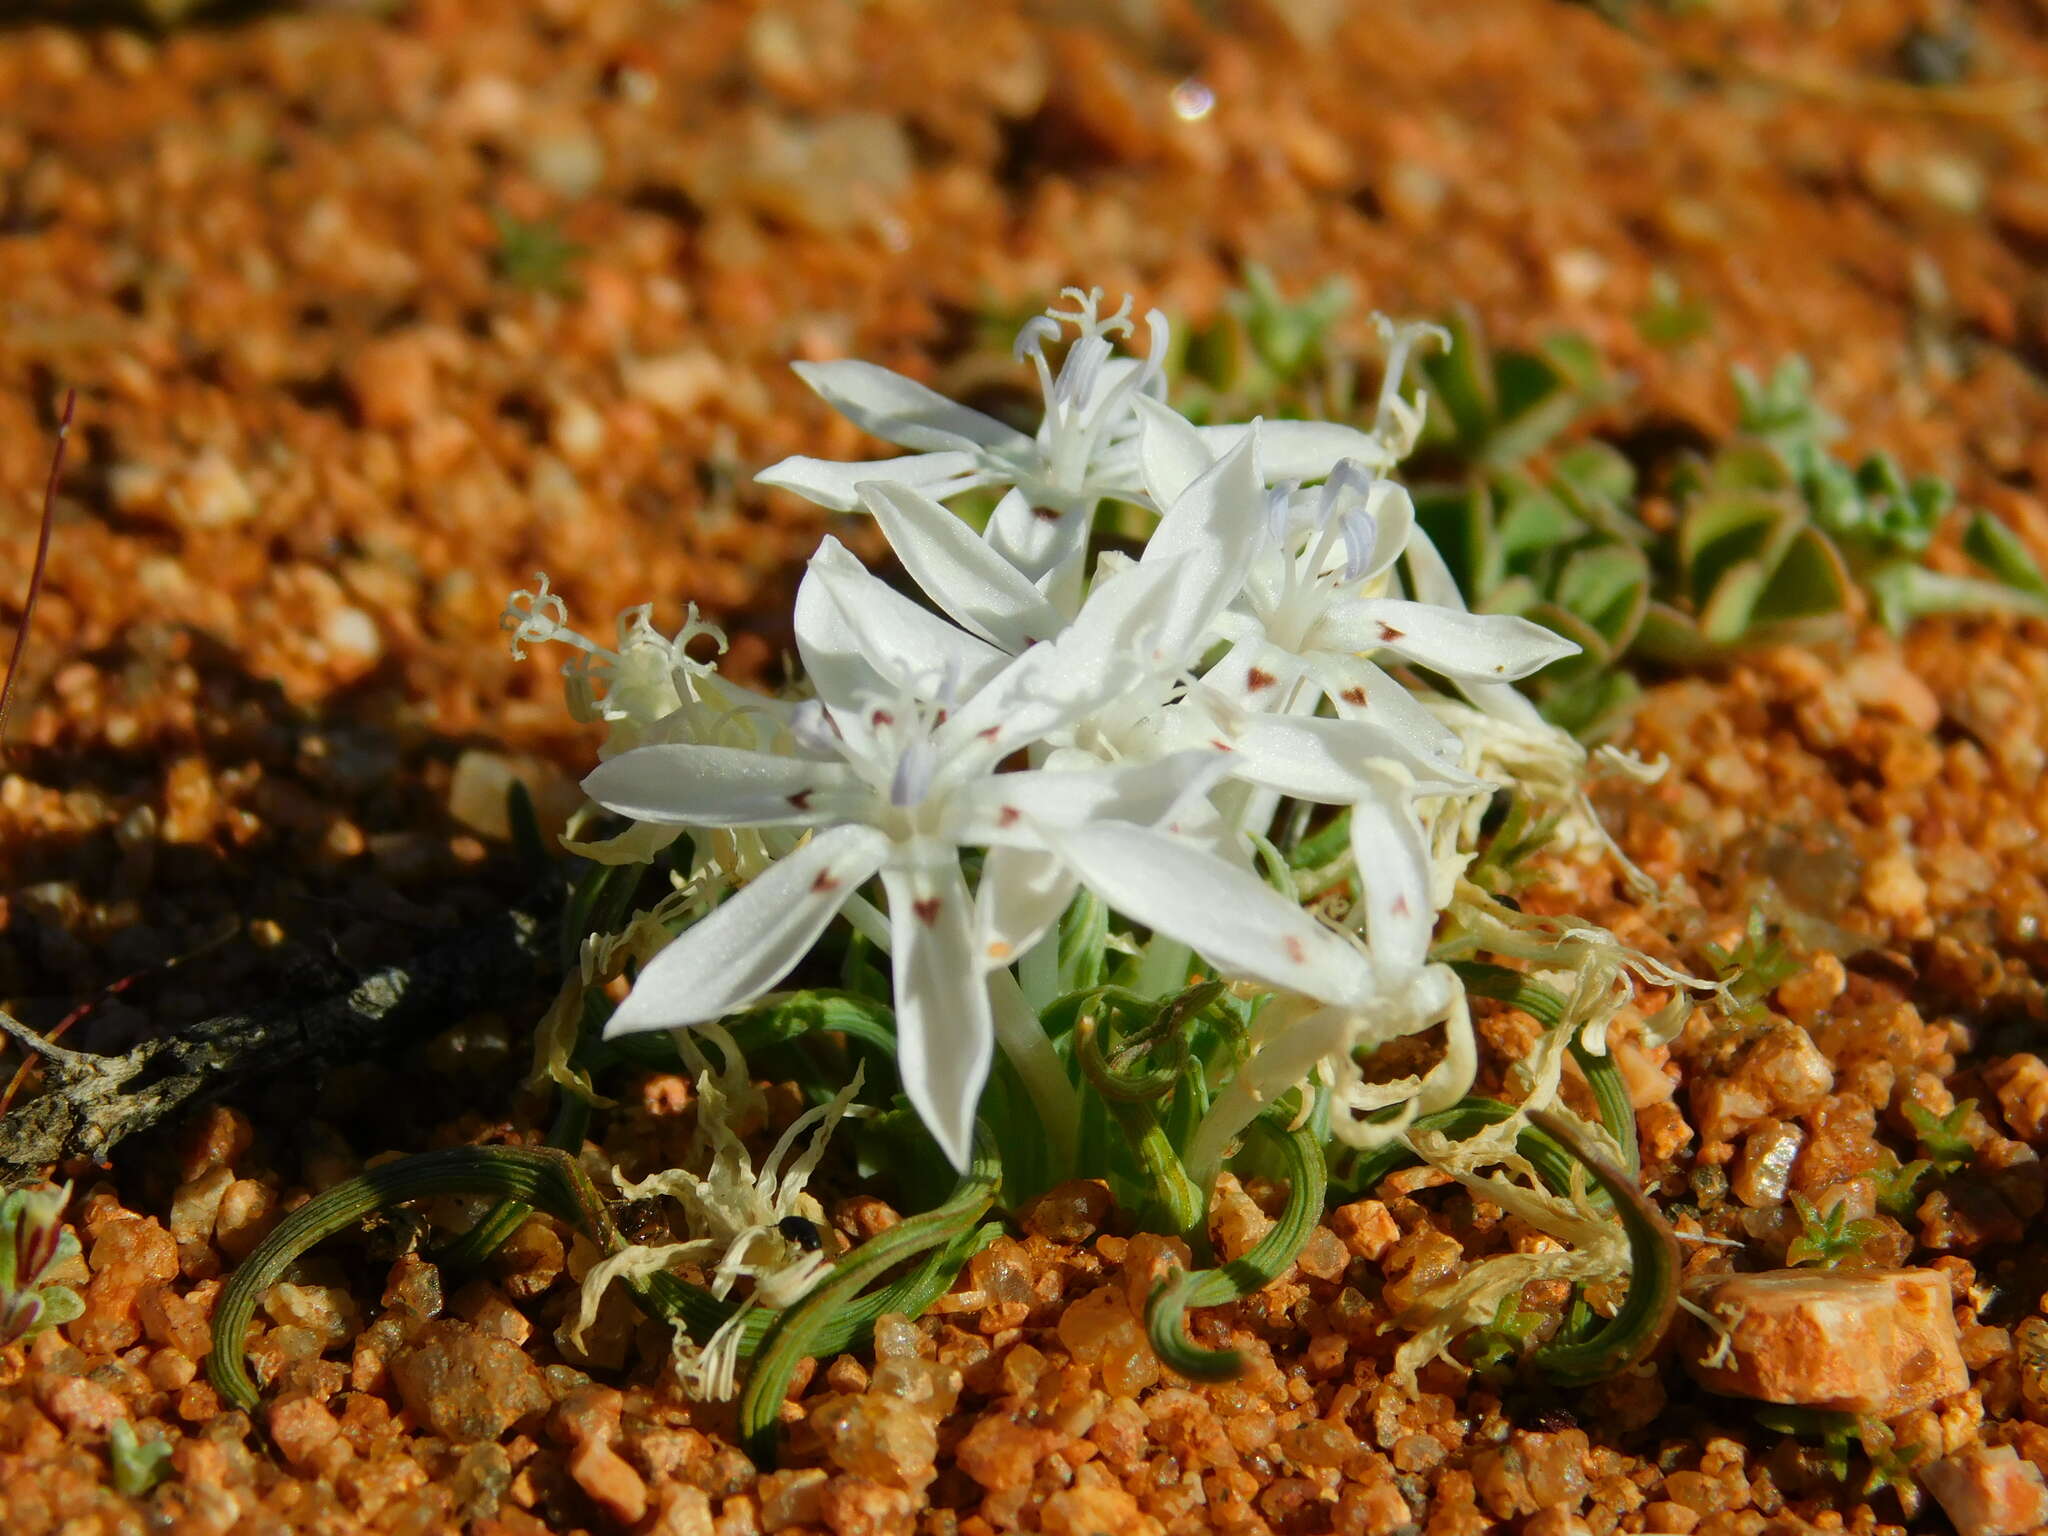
column 801, row 1232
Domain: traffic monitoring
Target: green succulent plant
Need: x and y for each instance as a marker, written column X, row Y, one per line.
column 1764, row 540
column 1491, row 410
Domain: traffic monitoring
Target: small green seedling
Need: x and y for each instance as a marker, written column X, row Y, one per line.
column 535, row 255
column 1828, row 1238
column 1941, row 1137
column 1753, row 969
column 33, row 1242
column 139, row 1465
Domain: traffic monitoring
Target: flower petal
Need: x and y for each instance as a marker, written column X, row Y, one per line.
column 1361, row 690
column 1170, row 450
column 1106, row 651
column 1006, row 809
column 914, row 651
column 1033, row 539
column 1328, row 761
column 1393, row 867
column 1228, row 915
column 1302, row 450
column 753, row 940
column 1213, row 530
column 959, row 571
column 945, row 1036
column 1022, row 893
column 1482, row 647
column 835, row 483
column 885, row 404
column 695, row 786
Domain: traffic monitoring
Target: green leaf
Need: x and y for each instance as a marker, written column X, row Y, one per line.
column 1608, row 586
column 1993, row 545
column 1267, row 1260
column 1595, row 475
column 138, row 1465
column 1725, row 615
column 1810, row 581
column 1537, row 402
column 61, row 1305
column 1593, row 708
column 1904, row 592
column 1083, row 942
column 1461, row 382
column 1719, row 532
column 1532, row 523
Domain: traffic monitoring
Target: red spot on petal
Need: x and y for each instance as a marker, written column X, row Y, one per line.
column 1401, row 907
column 1046, row 514
column 1221, row 746
column 1353, row 696
column 824, row 882
column 1389, row 633
column 1296, row 950
column 1008, row 816
column 801, row 799
column 883, row 717
column 927, row 910
column 1257, row 680
column 991, row 733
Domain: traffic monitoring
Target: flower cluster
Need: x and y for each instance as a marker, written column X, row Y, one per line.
column 1143, row 729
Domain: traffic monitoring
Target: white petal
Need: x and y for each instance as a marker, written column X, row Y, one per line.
column 1254, row 675
column 1362, row 691
column 835, row 483
column 1170, row 450
column 695, row 786
column 1213, row 529
column 945, row 1036
column 750, row 942
column 1021, row 895
column 1228, row 915
column 1030, row 538
column 1094, row 661
column 1484, row 647
column 1393, row 866
column 885, row 404
column 1006, row 809
column 1393, row 519
column 1301, row 450
column 917, row 652
column 1327, row 761
column 959, row 571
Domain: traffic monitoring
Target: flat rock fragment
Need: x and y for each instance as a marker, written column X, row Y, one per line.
column 1988, row 1491
column 1880, row 1342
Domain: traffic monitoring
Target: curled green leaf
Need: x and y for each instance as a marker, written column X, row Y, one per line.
column 814, row 1325
column 543, row 1178
column 1266, row 1262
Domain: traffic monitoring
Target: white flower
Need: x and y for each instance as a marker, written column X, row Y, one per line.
column 1318, row 607
column 893, row 769
column 1085, row 449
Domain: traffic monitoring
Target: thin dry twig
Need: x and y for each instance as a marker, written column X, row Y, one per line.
column 35, row 576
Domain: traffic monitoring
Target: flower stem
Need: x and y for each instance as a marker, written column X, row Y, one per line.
column 1024, row 1041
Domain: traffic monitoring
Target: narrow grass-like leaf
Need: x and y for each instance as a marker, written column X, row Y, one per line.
column 1266, row 1262
column 805, row 1329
